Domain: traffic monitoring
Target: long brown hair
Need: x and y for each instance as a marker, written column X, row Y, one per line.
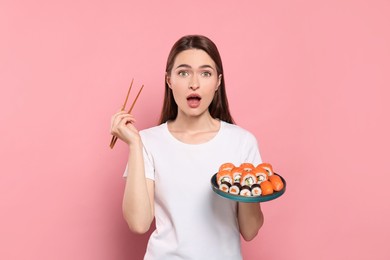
column 219, row 107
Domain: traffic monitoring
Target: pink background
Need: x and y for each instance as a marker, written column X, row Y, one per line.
column 309, row 78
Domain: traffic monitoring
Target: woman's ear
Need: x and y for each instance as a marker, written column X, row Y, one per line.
column 168, row 80
column 219, row 81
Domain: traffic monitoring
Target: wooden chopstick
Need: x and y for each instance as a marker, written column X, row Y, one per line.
column 135, row 100
column 123, row 108
column 128, row 93
column 114, row 138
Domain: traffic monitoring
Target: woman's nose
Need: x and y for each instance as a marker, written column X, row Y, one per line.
column 194, row 83
column 193, row 87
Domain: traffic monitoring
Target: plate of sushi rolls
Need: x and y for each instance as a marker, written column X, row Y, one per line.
column 248, row 183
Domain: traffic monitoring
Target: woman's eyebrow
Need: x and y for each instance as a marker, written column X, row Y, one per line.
column 206, row 66
column 189, row 67
column 183, row 66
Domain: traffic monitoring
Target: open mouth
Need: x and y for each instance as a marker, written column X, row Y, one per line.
column 193, row 100
column 194, row 97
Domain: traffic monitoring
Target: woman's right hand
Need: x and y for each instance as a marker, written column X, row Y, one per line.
column 122, row 126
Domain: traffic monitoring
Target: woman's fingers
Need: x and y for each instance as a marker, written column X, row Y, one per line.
column 122, row 126
column 117, row 117
column 121, row 118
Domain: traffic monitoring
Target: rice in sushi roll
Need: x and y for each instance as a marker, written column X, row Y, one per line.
column 248, row 179
column 224, row 176
column 235, row 188
column 261, row 174
column 267, row 167
column 237, row 173
column 225, row 186
column 245, row 191
column 256, row 190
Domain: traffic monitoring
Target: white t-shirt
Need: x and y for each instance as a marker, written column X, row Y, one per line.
column 193, row 222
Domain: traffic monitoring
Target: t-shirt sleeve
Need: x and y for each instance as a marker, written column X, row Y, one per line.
column 251, row 150
column 148, row 165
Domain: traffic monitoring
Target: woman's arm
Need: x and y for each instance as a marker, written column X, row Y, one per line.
column 250, row 219
column 138, row 198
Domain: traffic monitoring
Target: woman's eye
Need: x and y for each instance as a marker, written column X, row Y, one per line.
column 183, row 73
column 206, row 74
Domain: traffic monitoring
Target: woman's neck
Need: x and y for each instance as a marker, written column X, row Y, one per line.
column 202, row 123
column 194, row 130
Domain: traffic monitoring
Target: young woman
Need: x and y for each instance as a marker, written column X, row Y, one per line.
column 170, row 165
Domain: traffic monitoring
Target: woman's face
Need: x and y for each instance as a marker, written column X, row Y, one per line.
column 194, row 81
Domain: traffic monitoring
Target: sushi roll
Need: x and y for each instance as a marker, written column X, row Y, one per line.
column 225, row 186
column 247, row 167
column 226, row 167
column 237, row 173
column 256, row 190
column 276, row 181
column 245, row 191
column 266, row 188
column 267, row 167
column 224, row 176
column 248, row 178
column 235, row 188
column 261, row 174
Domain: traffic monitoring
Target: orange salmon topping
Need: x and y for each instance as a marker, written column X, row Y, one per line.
column 247, row 166
column 276, row 181
column 226, row 166
column 266, row 188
